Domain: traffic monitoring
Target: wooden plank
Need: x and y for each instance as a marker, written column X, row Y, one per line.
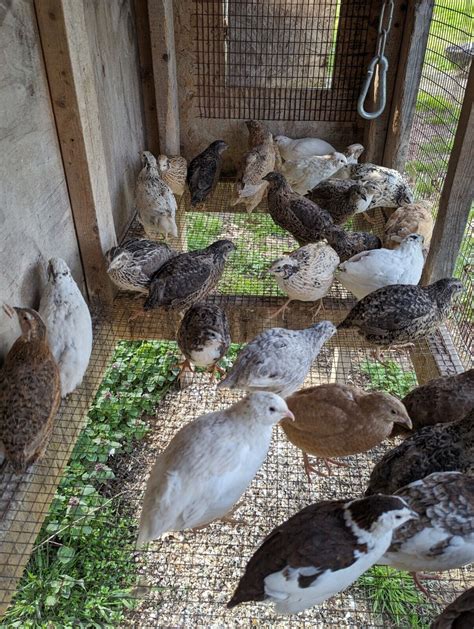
column 248, row 316
column 71, row 81
column 456, row 197
column 160, row 13
column 35, row 213
column 112, row 40
column 410, row 64
column 424, row 363
column 436, row 356
column 376, row 130
column 25, row 499
column 146, row 76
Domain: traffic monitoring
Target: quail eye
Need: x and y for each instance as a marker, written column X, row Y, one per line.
column 393, row 412
column 272, row 409
column 398, row 517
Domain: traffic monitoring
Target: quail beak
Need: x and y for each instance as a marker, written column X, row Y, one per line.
column 415, row 515
column 405, row 421
column 288, row 415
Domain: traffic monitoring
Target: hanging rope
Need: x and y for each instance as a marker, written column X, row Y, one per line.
column 385, row 23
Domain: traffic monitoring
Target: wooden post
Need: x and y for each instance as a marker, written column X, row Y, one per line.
column 410, row 64
column 160, row 14
column 71, row 82
column 146, row 75
column 456, row 197
column 376, row 130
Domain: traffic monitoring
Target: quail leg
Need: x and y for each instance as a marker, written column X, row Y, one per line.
column 421, row 575
column 230, row 520
column 280, row 310
column 377, row 354
column 317, row 308
column 184, row 366
column 329, row 462
column 369, row 219
column 136, row 313
column 402, row 347
column 213, row 370
column 308, row 468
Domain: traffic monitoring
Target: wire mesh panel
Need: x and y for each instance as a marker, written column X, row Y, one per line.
column 292, row 60
column 448, row 59
column 85, row 570
column 85, row 567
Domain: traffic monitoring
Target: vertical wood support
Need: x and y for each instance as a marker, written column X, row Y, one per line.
column 160, row 14
column 146, row 75
column 456, row 197
column 410, row 65
column 376, row 130
column 71, row 82
column 161, row 18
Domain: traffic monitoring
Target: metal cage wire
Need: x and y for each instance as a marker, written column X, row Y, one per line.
column 295, row 60
column 185, row 579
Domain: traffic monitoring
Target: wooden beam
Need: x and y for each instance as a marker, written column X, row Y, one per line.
column 412, row 54
column 248, row 316
column 160, row 13
column 436, row 356
column 71, row 82
column 376, row 130
column 456, row 197
column 146, row 76
column 25, row 499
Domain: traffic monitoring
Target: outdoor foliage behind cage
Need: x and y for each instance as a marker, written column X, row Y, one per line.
column 440, row 98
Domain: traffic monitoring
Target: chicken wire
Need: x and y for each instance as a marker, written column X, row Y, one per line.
column 281, row 60
column 442, row 90
column 186, row 579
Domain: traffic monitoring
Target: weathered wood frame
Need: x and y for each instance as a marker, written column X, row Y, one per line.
column 456, row 197
column 70, row 76
column 74, row 106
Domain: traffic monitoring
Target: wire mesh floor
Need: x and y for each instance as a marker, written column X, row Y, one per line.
column 186, row 579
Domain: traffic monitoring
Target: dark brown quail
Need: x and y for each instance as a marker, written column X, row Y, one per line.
column 399, row 314
column 320, row 551
column 189, row 277
column 132, row 263
column 348, row 243
column 204, row 171
column 30, row 392
column 458, row 615
column 342, row 198
column 441, row 400
column 439, row 448
column 305, row 220
column 204, row 337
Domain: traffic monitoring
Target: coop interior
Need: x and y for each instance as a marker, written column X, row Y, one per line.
column 87, row 86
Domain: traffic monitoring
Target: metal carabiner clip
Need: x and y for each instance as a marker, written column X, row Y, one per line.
column 382, row 61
